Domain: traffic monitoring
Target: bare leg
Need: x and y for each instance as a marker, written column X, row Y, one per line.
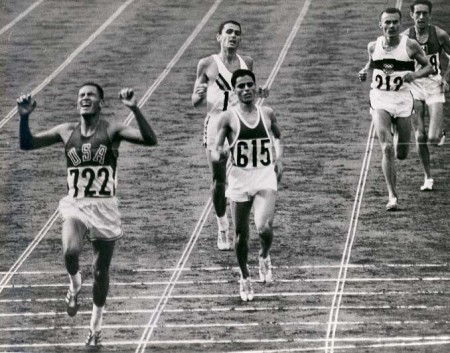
column 73, row 231
column 264, row 209
column 382, row 122
column 436, row 111
column 219, row 172
column 418, row 123
column 241, row 216
column 103, row 252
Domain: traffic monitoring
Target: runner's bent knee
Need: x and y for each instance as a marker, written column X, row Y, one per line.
column 387, row 148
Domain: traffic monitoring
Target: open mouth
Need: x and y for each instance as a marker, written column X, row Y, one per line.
column 85, row 104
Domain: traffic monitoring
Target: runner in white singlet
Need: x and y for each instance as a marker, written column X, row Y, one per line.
column 392, row 57
column 254, row 140
column 213, row 87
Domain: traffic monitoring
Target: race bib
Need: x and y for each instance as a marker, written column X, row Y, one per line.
column 253, row 153
column 91, row 181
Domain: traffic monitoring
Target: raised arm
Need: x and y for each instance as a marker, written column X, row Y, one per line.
column 142, row 136
column 25, row 106
column 201, row 83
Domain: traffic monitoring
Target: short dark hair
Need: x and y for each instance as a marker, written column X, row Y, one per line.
column 422, row 2
column 240, row 73
column 391, row 10
column 96, row 85
column 220, row 28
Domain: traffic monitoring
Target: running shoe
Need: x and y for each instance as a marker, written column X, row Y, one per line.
column 427, row 185
column 72, row 301
column 442, row 140
column 223, row 241
column 265, row 269
column 245, row 289
column 94, row 339
column 392, row 204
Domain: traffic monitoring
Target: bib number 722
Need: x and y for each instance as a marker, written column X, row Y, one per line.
column 90, row 182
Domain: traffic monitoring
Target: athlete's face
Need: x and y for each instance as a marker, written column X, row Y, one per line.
column 89, row 101
column 390, row 24
column 245, row 89
column 421, row 16
column 230, row 37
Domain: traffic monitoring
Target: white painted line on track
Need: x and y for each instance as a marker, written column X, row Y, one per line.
column 342, row 277
column 20, row 17
column 7, row 277
column 153, row 320
column 383, row 293
column 340, row 283
column 236, row 309
column 232, row 325
column 398, row 341
column 235, row 268
column 147, row 95
column 228, row 281
column 348, row 347
column 71, row 57
column 148, row 330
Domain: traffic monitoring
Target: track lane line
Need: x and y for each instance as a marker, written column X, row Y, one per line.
column 71, row 57
column 398, row 341
column 230, row 281
column 191, row 243
column 235, row 268
column 147, row 95
column 21, row 16
column 340, row 284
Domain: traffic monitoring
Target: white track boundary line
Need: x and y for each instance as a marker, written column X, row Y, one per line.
column 153, row 320
column 28, row 251
column 347, row 347
column 147, row 95
column 70, row 58
column 350, row 238
column 21, row 16
column 334, row 311
column 235, row 268
column 230, row 325
column 232, row 309
column 228, row 281
column 261, row 295
column 378, row 342
column 151, row 325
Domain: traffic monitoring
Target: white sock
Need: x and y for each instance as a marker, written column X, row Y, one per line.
column 222, row 222
column 97, row 318
column 75, row 282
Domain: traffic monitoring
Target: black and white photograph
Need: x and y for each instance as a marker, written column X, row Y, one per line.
column 224, row 176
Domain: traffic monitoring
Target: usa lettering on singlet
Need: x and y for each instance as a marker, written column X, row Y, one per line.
column 253, row 146
column 220, row 95
column 91, row 164
column 389, row 67
column 432, row 49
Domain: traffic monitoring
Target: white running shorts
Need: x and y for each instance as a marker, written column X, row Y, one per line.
column 398, row 104
column 243, row 184
column 427, row 90
column 100, row 216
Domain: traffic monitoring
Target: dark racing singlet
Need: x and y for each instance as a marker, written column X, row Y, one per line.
column 252, row 146
column 91, row 163
column 431, row 47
